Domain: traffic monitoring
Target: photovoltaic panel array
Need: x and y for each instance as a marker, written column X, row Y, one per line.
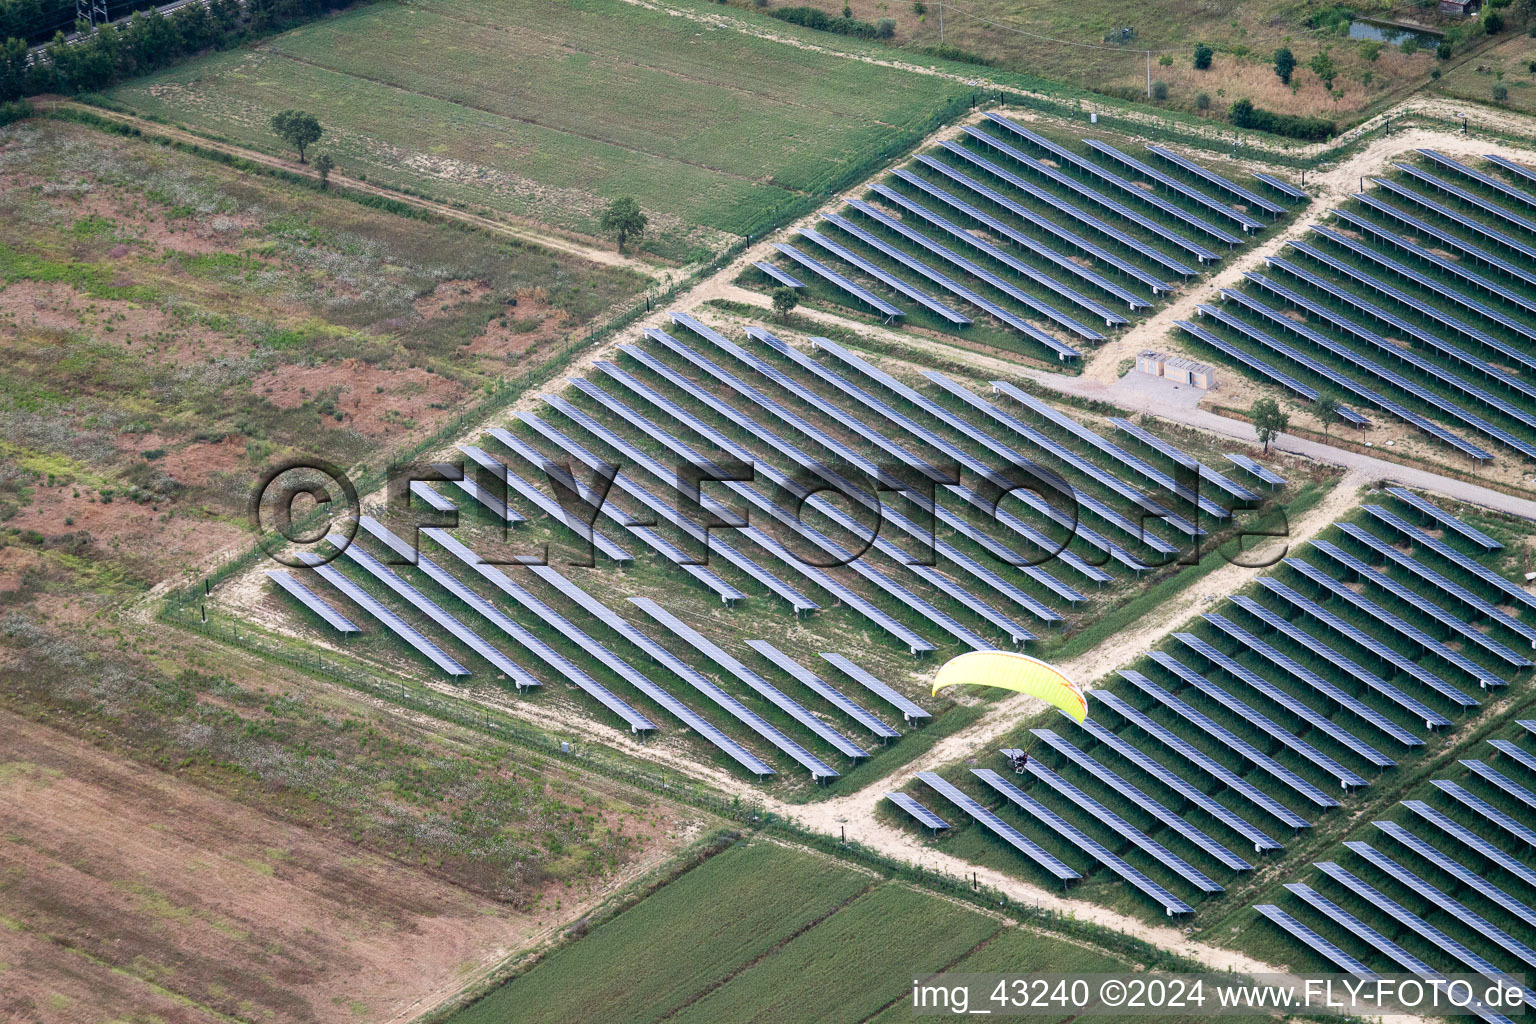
column 1455, row 908
column 1382, row 652
column 1222, row 735
column 1443, row 583
column 601, row 653
column 394, row 623
column 449, row 623
column 1424, row 606
column 1402, row 627
column 917, row 810
column 1060, row 205
column 1452, row 243
column 1248, row 196
column 1422, row 539
column 1244, row 221
column 1173, row 781
column 1466, row 876
column 1256, row 719
column 1284, row 188
column 823, row 689
column 763, row 688
column 1171, row 451
column 538, row 499
column 837, row 280
column 998, row 827
column 917, row 295
column 1195, row 756
column 1315, row 942
column 1472, row 841
column 1129, row 188
column 1445, row 519
column 1317, row 683
column 1024, row 213
column 1141, row 800
column 1060, row 261
column 1170, row 903
column 1119, row 209
column 307, row 598
column 910, row 710
column 1263, row 369
column 1103, row 815
column 781, row 276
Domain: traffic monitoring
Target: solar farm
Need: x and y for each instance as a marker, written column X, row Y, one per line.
column 646, row 640
column 1412, row 303
column 721, row 396
column 1007, row 237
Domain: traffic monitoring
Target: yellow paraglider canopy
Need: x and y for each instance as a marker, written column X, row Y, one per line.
column 1019, row 672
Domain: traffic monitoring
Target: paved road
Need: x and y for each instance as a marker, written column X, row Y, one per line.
column 1169, row 401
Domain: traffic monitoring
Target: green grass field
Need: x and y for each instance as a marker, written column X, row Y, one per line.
column 764, row 932
column 548, row 111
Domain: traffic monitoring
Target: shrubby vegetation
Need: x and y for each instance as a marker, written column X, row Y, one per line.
column 145, row 42
column 1244, row 114
column 811, row 17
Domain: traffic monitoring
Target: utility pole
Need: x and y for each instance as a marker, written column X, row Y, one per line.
column 1149, row 74
column 941, row 22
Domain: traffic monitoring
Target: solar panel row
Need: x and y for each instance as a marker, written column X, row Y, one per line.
column 1429, row 716
column 1141, row 800
column 1312, row 940
column 825, row 580
column 1099, row 813
column 1244, row 221
column 1251, row 716
column 1444, row 550
column 1446, row 585
column 1457, row 295
column 1472, row 841
column 1246, row 195
column 1063, row 456
column 307, row 598
column 1029, row 217
column 1170, row 451
column 1170, row 903
column 1317, row 683
column 1359, row 637
column 1029, row 330
column 1466, row 876
column 996, row 281
column 1257, row 469
column 998, row 827
column 1224, row 736
column 1125, row 458
column 1410, row 920
column 1200, row 252
column 917, row 295
column 433, row 500
column 1034, row 501
column 1504, row 783
column 783, row 277
column 623, row 669
column 1486, row 810
column 1454, row 907
column 823, row 689
column 1330, row 374
column 1455, row 217
column 778, row 698
column 1402, row 627
column 1486, row 180
column 394, row 623
column 1061, row 262
column 1177, row 784
column 1422, row 605
column 837, row 280
column 1195, row 756
column 1409, row 331
column 1397, row 380
column 1472, row 199
column 917, row 810
column 1129, row 188
column 1284, row 188
column 910, row 710
column 1445, row 519
column 1452, row 243
column 537, row 498
column 1140, row 247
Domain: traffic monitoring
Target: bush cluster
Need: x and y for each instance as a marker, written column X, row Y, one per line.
column 1244, row 114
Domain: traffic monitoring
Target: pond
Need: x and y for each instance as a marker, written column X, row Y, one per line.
column 1392, row 35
